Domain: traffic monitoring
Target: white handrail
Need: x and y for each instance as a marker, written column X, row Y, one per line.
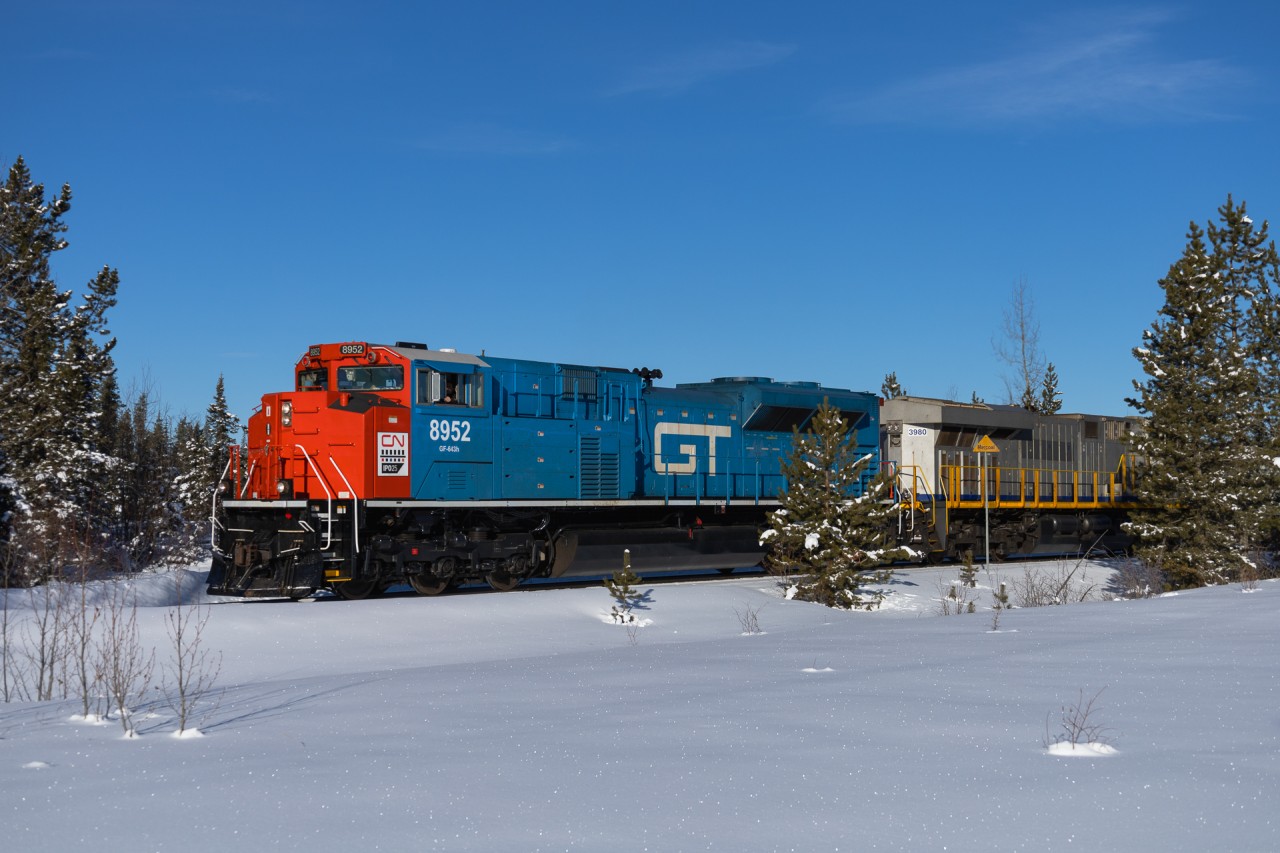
column 328, row 521
column 249, row 478
column 355, row 511
column 213, row 509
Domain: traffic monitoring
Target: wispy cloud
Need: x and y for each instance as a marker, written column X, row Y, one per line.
column 683, row 71
column 493, row 140
column 1107, row 68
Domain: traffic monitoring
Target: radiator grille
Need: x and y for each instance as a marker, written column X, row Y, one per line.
column 601, row 474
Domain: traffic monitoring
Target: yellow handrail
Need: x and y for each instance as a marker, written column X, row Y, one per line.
column 1038, row 488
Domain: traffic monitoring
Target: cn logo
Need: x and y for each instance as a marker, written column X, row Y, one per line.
column 393, row 454
column 664, row 447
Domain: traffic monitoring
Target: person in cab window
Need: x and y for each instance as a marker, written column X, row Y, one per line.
column 450, row 394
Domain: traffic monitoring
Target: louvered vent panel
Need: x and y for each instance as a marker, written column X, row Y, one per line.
column 601, row 474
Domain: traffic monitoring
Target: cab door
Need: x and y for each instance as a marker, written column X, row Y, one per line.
column 451, row 457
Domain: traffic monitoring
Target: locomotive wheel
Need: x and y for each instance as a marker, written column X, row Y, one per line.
column 357, row 590
column 425, row 584
column 502, row 581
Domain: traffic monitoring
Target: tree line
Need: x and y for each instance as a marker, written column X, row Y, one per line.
column 80, row 464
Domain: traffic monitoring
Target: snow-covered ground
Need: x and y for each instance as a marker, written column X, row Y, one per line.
column 527, row 721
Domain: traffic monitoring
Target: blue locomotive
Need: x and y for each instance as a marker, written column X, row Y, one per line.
column 403, row 464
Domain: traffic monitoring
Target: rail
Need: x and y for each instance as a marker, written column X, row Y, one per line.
column 355, row 514
column 328, row 511
column 1036, row 488
column 213, row 510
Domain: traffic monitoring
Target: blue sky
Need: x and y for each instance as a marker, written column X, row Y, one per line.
column 813, row 191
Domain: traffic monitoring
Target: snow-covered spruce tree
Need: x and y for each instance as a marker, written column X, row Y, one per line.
column 831, row 540
column 32, row 323
column 1208, row 483
column 221, row 429
column 192, row 488
column 149, row 521
column 53, row 363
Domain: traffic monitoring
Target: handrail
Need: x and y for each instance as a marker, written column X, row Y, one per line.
column 248, row 477
column 1036, row 487
column 213, row 510
column 328, row 521
column 355, row 513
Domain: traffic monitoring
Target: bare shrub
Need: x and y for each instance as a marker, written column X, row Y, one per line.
column 193, row 668
column 45, row 641
column 82, row 671
column 1136, row 578
column 749, row 618
column 956, row 598
column 82, row 662
column 1249, row 576
column 1041, row 587
column 125, row 666
column 12, row 673
column 1078, row 724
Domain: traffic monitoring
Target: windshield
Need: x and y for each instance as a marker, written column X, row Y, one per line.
column 371, row 378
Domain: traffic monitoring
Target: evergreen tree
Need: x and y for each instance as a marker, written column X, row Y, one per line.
column 192, row 488
column 889, row 389
column 622, row 587
column 828, row 528
column 147, row 517
column 1029, row 401
column 54, row 366
column 1208, row 484
column 32, row 323
column 221, row 429
column 1050, row 401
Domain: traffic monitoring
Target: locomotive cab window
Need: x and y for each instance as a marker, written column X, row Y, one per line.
column 389, row 378
column 449, row 389
column 313, row 380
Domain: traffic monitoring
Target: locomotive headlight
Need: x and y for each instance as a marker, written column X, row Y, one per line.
column 284, row 487
column 224, row 487
column 286, row 413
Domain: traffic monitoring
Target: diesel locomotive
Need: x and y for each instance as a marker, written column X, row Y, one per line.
column 401, row 464
column 1000, row 481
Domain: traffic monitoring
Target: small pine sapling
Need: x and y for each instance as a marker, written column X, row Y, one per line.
column 999, row 604
column 968, row 571
column 622, row 586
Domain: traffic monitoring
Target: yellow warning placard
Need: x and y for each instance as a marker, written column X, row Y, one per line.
column 985, row 445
